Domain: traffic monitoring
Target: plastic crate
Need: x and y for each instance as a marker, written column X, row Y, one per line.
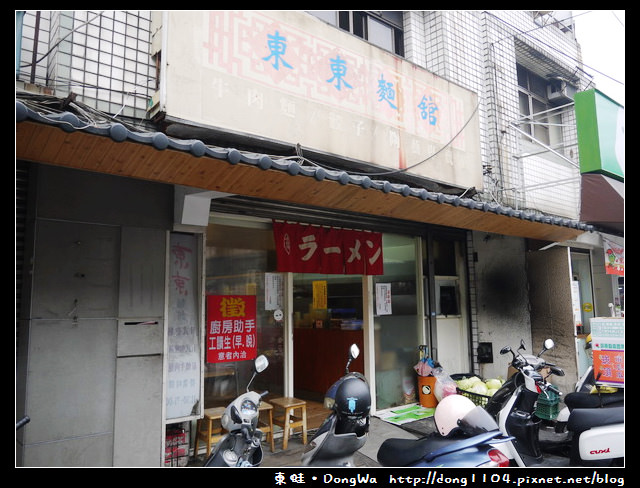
column 547, row 406
column 476, row 398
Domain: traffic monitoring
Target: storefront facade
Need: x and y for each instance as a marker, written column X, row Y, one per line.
column 426, row 292
column 307, row 320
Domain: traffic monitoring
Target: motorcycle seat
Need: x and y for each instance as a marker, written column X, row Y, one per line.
column 403, row 452
column 588, row 400
column 582, row 419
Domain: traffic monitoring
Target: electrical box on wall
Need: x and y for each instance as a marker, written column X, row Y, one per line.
column 485, row 352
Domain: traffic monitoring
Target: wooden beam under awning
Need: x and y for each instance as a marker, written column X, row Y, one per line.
column 46, row 144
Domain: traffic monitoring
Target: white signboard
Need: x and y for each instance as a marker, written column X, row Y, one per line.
column 183, row 335
column 284, row 75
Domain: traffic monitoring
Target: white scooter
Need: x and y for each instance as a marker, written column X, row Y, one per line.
column 242, row 445
column 596, row 435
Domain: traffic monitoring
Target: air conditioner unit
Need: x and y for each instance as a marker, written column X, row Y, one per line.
column 560, row 92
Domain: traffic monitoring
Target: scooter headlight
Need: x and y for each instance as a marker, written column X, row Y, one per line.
column 248, row 408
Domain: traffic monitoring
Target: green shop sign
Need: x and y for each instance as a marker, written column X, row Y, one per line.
column 600, row 125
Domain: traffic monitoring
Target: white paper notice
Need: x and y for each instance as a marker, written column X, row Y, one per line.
column 273, row 291
column 383, row 298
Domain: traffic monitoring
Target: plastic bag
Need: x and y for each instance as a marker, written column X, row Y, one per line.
column 445, row 386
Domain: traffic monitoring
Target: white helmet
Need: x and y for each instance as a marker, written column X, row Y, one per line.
column 449, row 411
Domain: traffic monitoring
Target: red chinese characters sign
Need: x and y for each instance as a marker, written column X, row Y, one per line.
column 231, row 328
column 311, row 249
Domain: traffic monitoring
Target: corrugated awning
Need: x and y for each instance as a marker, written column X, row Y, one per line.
column 62, row 139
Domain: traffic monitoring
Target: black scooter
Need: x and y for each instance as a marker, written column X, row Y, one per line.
column 346, row 429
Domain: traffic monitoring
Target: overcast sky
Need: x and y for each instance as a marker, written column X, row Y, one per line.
column 601, row 36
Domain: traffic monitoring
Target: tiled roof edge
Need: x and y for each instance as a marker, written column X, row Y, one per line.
column 118, row 132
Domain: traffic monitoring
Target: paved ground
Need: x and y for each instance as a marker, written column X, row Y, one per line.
column 367, row 455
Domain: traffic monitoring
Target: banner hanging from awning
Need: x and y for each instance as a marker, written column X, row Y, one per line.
column 304, row 248
column 613, row 257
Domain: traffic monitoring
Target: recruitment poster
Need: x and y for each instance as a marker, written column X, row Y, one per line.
column 231, row 328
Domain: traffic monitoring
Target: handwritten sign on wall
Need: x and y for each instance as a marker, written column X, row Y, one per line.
column 183, row 332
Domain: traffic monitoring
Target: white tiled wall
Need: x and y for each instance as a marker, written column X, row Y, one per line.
column 101, row 56
column 479, row 50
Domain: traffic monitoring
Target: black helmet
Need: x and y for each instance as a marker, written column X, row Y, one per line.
column 353, row 398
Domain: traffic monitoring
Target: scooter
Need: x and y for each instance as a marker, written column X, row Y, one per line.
column 596, row 436
column 467, row 436
column 242, row 445
column 346, row 428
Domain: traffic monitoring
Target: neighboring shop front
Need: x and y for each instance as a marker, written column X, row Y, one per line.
column 306, row 318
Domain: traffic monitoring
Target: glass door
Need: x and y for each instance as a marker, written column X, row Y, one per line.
column 327, row 319
column 398, row 325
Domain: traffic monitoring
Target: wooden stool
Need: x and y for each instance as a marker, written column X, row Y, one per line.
column 206, row 431
column 266, row 425
column 290, row 421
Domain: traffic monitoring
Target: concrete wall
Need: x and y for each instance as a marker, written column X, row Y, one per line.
column 551, row 310
column 97, row 256
column 502, row 303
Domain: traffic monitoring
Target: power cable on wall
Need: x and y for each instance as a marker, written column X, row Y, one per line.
column 394, row 171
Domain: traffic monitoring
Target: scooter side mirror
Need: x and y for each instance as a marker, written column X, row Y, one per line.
column 505, row 350
column 548, row 344
column 354, row 351
column 557, row 371
column 261, row 363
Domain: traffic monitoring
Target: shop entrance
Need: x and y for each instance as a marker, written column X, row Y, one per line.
column 327, row 319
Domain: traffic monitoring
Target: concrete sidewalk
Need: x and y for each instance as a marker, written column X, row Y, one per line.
column 379, row 430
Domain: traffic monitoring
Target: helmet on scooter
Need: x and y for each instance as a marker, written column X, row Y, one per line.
column 450, row 411
column 353, row 398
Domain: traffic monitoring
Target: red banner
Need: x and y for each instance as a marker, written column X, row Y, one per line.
column 231, row 328
column 327, row 250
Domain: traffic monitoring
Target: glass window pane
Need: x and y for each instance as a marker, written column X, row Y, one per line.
column 538, row 85
column 541, row 128
column 397, row 336
column 329, row 16
column 380, row 34
column 237, row 258
column 522, row 77
column 524, row 110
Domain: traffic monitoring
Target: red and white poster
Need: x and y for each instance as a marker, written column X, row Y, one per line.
column 613, row 258
column 312, row 249
column 231, row 328
column 607, row 341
